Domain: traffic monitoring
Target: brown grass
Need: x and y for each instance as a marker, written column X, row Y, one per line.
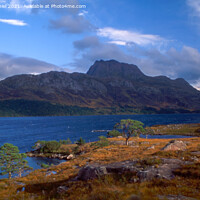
column 39, row 186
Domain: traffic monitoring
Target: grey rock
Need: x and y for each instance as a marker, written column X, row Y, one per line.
column 175, row 145
column 151, row 147
column 91, row 172
column 96, row 170
column 165, row 170
column 62, row 189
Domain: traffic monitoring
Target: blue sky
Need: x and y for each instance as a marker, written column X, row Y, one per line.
column 162, row 37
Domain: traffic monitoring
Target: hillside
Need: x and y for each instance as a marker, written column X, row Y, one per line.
column 109, row 87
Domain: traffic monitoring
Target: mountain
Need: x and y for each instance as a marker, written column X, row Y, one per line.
column 109, row 87
column 114, row 69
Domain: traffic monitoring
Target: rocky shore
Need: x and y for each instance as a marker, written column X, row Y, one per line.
column 50, row 155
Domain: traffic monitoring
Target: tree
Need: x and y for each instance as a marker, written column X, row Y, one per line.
column 130, row 128
column 22, row 164
column 51, row 146
column 11, row 161
column 148, row 131
column 80, row 142
column 68, row 141
column 113, row 133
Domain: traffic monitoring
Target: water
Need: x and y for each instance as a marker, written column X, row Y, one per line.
column 25, row 131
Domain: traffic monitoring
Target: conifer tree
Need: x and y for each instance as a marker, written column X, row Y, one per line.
column 11, row 161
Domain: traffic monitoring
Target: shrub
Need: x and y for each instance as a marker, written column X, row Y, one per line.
column 45, row 166
column 189, row 171
column 197, row 130
column 150, row 161
column 39, row 145
column 113, row 133
column 51, row 146
column 103, row 141
column 68, row 141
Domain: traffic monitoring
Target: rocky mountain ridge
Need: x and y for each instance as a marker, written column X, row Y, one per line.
column 106, row 84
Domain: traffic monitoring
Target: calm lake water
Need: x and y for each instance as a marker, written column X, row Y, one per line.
column 25, row 131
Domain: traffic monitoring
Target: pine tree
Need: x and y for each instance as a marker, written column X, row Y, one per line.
column 11, row 161
column 22, row 164
column 130, row 128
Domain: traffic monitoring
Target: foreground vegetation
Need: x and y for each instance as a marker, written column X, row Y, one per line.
column 60, row 182
column 44, row 184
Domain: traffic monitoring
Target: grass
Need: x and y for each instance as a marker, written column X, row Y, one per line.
column 40, row 186
column 177, row 129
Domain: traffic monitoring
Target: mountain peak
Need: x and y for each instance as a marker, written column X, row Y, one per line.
column 113, row 68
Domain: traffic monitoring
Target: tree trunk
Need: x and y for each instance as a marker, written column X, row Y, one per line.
column 9, row 175
column 127, row 141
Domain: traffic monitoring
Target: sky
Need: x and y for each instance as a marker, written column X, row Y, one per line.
column 162, row 37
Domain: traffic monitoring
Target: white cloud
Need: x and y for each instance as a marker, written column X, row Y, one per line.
column 195, row 5
column 197, row 84
column 71, row 24
column 184, row 63
column 83, row 13
column 121, row 37
column 11, row 65
column 14, row 22
column 122, row 43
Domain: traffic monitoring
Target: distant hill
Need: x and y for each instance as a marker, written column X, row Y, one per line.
column 109, row 87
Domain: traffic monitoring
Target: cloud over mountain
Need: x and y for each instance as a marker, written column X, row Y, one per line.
column 11, row 65
column 173, row 63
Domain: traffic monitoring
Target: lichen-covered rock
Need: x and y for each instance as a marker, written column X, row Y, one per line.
column 91, row 172
column 175, row 145
column 97, row 170
column 165, row 170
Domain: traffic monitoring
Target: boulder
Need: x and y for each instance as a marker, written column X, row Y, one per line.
column 70, row 156
column 151, row 147
column 97, row 170
column 175, row 145
column 165, row 170
column 91, row 172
